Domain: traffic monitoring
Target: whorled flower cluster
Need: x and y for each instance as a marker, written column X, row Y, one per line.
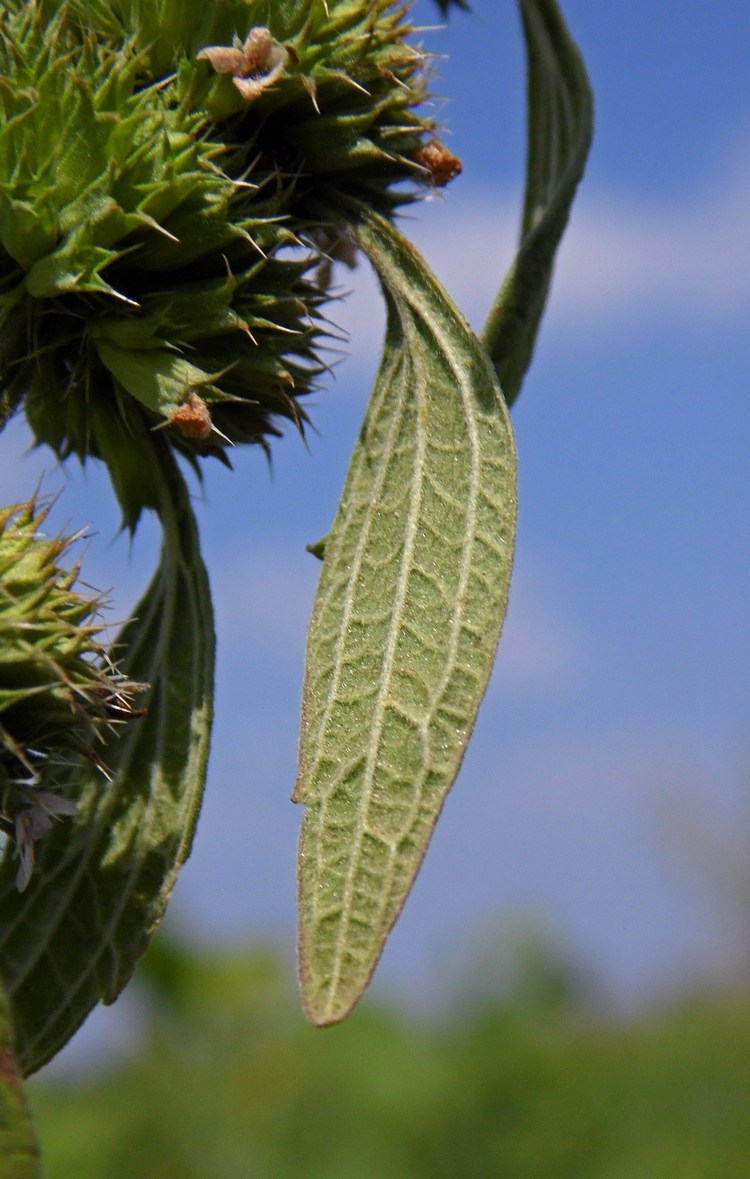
column 162, row 166
column 172, row 180
column 59, row 691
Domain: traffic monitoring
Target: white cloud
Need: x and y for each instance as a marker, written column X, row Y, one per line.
column 264, row 601
column 685, row 256
column 540, row 651
column 688, row 260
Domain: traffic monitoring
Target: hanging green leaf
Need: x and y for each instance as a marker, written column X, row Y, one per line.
column 560, row 127
column 412, row 595
column 101, row 884
column 19, row 1154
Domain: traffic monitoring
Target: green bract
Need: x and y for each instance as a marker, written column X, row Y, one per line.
column 152, row 213
column 59, row 693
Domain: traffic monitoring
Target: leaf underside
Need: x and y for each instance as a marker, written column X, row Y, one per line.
column 416, row 570
column 412, row 595
column 100, row 886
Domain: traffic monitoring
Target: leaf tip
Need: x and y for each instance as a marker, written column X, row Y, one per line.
column 324, row 1006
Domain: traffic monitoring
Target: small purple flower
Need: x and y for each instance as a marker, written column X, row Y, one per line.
column 31, row 822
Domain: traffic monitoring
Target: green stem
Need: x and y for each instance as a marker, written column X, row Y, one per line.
column 559, row 132
column 19, row 1152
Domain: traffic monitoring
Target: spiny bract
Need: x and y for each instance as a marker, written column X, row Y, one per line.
column 58, row 689
column 161, row 166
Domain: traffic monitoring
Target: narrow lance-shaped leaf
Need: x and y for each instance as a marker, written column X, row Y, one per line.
column 412, row 595
column 101, row 885
column 560, row 127
column 19, row 1153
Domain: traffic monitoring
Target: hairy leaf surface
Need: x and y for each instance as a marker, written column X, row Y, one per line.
column 412, row 595
column 102, row 882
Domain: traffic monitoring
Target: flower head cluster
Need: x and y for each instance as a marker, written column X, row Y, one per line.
column 58, row 690
column 167, row 175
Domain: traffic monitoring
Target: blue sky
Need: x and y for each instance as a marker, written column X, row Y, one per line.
column 605, row 796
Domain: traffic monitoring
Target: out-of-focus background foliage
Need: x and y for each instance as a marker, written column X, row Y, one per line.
column 527, row 1079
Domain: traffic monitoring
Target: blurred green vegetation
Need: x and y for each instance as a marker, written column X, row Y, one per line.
column 229, row 1083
